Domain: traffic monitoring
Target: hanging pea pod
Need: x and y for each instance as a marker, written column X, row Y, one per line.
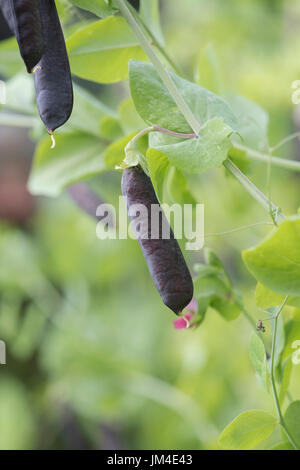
column 164, row 258
column 24, row 20
column 52, row 78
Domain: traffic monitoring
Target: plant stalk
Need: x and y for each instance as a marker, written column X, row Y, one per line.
column 273, row 384
column 263, row 157
column 260, row 197
column 154, row 41
column 186, row 111
column 163, row 73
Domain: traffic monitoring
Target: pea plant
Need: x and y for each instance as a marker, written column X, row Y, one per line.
column 168, row 129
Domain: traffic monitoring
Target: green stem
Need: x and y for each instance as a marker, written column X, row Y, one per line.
column 185, row 109
column 263, row 157
column 154, row 41
column 163, row 73
column 145, row 131
column 273, row 384
column 260, row 197
column 140, row 134
column 284, row 141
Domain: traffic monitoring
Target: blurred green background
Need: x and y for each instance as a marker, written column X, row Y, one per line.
column 93, row 359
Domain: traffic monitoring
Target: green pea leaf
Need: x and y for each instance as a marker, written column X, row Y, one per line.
column 158, row 166
column 266, row 298
column 130, row 119
column 100, row 52
column 226, row 307
column 178, row 187
column 75, row 157
column 156, row 106
column 210, row 286
column 282, row 446
column 213, row 290
column 276, row 261
column 201, row 154
column 253, row 122
column 115, row 153
column 292, row 420
column 247, row 430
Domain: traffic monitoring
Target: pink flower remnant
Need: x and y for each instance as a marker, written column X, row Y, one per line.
column 184, row 321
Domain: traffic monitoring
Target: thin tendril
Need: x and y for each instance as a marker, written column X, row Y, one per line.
column 284, row 141
column 243, row 227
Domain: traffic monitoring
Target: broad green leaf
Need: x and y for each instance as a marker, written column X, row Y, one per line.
column 247, row 430
column 156, row 106
column 283, row 446
column 133, row 156
column 76, row 156
column 276, row 261
column 210, row 287
column 177, row 187
column 226, row 307
column 98, row 7
column 101, row 51
column 88, row 113
column 266, row 298
column 253, row 122
column 213, row 285
column 130, row 119
column 158, row 166
column 115, row 152
column 211, row 290
column 258, row 358
column 158, row 139
column 201, row 154
column 292, row 420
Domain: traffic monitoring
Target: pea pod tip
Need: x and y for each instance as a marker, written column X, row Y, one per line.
column 52, row 139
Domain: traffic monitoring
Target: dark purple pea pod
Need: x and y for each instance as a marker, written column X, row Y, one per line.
column 53, row 82
column 24, row 20
column 164, row 258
